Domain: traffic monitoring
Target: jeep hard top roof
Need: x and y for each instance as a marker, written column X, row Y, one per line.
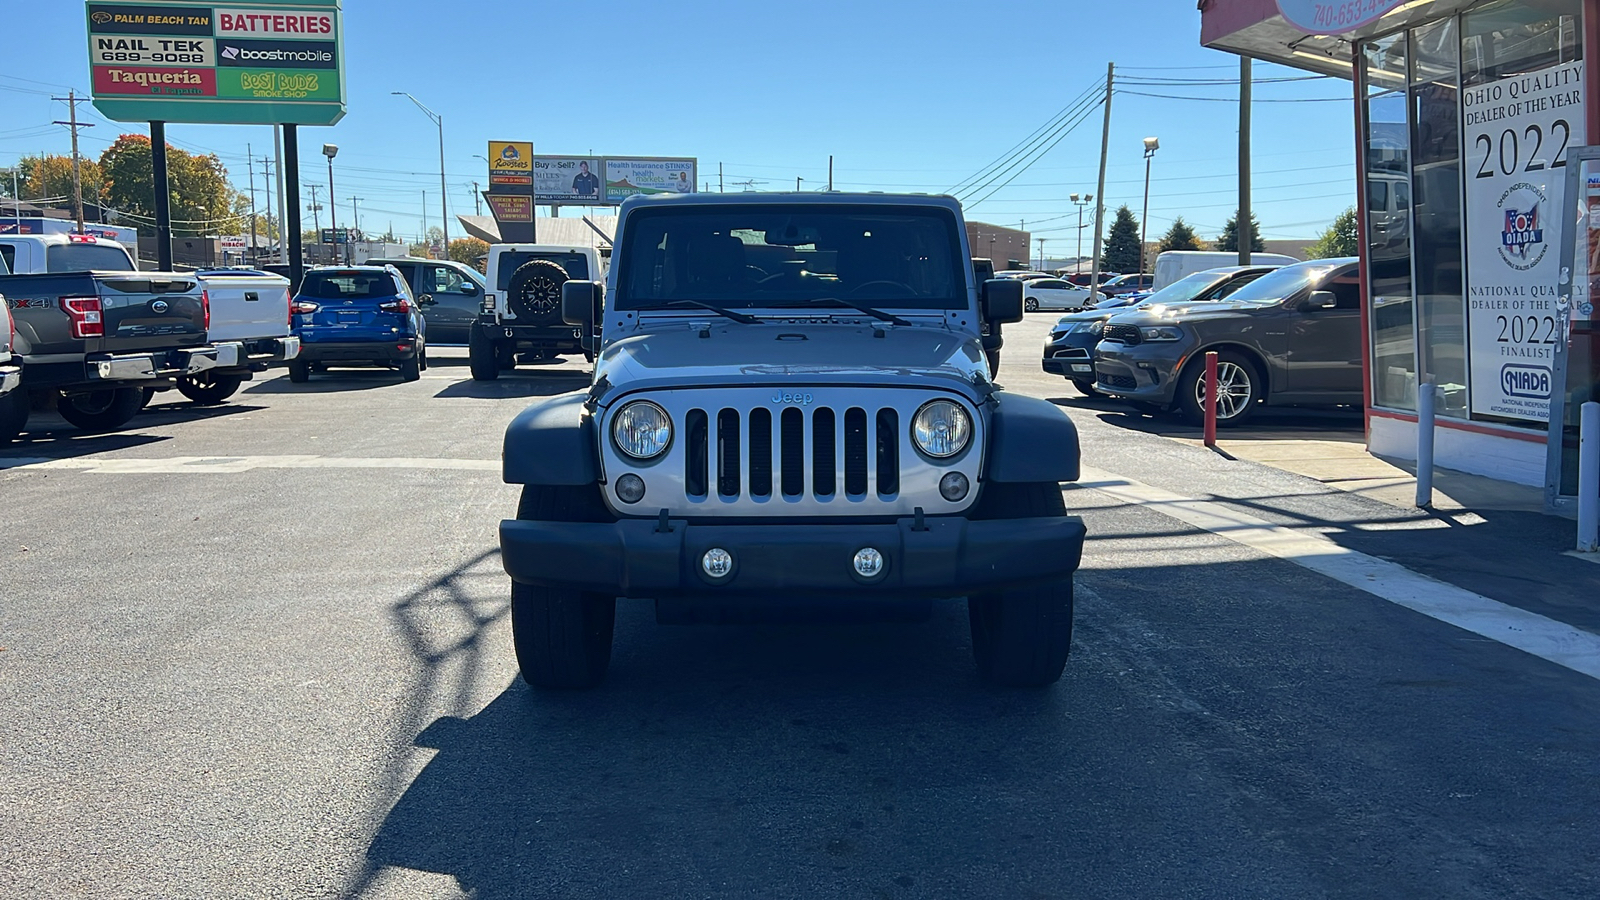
column 818, row 198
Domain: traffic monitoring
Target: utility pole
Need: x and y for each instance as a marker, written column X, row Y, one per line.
column 72, row 101
column 1246, row 233
column 830, row 172
column 266, row 169
column 477, row 200
column 283, row 201
column 355, row 212
column 316, row 220
column 1100, row 191
column 1041, row 254
column 250, row 245
column 425, row 248
column 719, row 178
column 797, row 184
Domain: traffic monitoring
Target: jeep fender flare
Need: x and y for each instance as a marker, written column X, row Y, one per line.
column 1030, row 440
column 552, row 442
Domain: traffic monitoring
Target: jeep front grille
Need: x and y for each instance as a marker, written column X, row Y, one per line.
column 743, row 452
column 871, row 455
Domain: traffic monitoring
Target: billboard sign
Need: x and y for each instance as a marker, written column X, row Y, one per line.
column 272, row 62
column 511, row 162
column 567, row 179
column 626, row 176
column 335, row 236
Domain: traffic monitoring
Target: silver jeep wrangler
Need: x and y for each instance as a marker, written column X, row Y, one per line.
column 791, row 413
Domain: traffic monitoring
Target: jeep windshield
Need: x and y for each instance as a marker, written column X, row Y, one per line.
column 1283, row 283
column 767, row 256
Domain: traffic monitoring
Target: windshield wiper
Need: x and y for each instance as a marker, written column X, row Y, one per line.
column 858, row 307
column 739, row 317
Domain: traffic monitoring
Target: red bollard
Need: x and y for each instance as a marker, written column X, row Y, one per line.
column 1211, row 398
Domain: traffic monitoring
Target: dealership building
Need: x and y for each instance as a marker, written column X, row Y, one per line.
column 1465, row 111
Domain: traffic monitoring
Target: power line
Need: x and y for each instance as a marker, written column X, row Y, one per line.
column 1068, row 121
column 1011, row 154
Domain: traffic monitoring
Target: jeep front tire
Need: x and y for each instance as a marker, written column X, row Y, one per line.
column 562, row 636
column 1020, row 638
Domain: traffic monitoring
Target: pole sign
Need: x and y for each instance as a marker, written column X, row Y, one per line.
column 647, row 175
column 571, row 180
column 1516, row 136
column 271, row 62
column 335, row 236
column 1334, row 16
column 511, row 162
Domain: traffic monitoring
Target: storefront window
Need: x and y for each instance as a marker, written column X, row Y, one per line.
column 1388, row 163
column 1436, row 209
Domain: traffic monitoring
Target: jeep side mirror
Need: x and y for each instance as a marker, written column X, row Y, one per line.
column 1001, row 300
column 580, row 301
column 1322, row 300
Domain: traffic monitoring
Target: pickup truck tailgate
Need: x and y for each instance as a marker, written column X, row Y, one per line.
column 246, row 306
column 144, row 313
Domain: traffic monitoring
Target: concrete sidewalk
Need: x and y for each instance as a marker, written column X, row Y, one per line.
column 1343, row 462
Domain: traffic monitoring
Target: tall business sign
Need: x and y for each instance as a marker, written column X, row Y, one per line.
column 265, row 63
column 1517, row 131
column 1335, row 16
column 510, row 192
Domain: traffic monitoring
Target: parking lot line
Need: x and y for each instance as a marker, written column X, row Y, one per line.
column 1543, row 637
column 214, row 465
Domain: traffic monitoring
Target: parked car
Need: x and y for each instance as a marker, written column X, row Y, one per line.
column 1023, row 274
column 1069, row 351
column 1053, row 293
column 821, row 437
column 1290, row 337
column 13, row 403
column 520, row 319
column 97, row 342
column 1127, row 284
column 358, row 315
column 456, row 291
column 1082, row 279
column 1172, row 265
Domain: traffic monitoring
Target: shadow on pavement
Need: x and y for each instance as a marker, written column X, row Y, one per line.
column 51, row 435
column 519, row 384
column 330, row 382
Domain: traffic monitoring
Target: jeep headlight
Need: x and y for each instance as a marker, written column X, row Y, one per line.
column 941, row 428
column 1161, row 333
column 641, row 430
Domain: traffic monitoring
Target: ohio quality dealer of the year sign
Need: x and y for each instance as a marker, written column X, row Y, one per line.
column 262, row 63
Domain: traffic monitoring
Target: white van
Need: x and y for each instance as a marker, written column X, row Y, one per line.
column 1175, row 264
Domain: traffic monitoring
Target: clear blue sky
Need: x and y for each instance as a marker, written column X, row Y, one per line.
column 906, row 96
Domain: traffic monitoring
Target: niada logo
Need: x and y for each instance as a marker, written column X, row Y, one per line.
column 783, row 397
column 1532, row 382
column 1522, row 244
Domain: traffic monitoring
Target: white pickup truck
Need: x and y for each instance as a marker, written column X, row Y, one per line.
column 247, row 308
column 13, row 403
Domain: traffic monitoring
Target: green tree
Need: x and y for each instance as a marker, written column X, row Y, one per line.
column 1229, row 241
column 1179, row 237
column 467, row 250
column 1341, row 239
column 50, row 177
column 202, row 201
column 1122, row 243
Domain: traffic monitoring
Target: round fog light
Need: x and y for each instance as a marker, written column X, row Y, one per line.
column 868, row 562
column 630, row 488
column 717, row 562
column 953, row 486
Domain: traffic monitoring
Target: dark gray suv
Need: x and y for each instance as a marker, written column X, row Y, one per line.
column 1289, row 337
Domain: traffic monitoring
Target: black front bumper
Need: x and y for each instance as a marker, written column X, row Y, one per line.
column 369, row 351
column 945, row 557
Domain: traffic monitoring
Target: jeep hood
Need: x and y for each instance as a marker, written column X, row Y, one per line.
column 823, row 353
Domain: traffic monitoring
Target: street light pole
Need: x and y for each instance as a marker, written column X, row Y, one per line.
column 444, row 211
column 1080, row 204
column 1151, row 145
column 330, row 151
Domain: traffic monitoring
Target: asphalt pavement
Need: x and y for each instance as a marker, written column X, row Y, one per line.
column 263, row 649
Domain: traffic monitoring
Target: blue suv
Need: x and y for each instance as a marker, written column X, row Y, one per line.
column 358, row 315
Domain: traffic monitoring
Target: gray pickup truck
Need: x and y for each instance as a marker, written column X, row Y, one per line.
column 790, row 415
column 94, row 341
column 13, row 402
